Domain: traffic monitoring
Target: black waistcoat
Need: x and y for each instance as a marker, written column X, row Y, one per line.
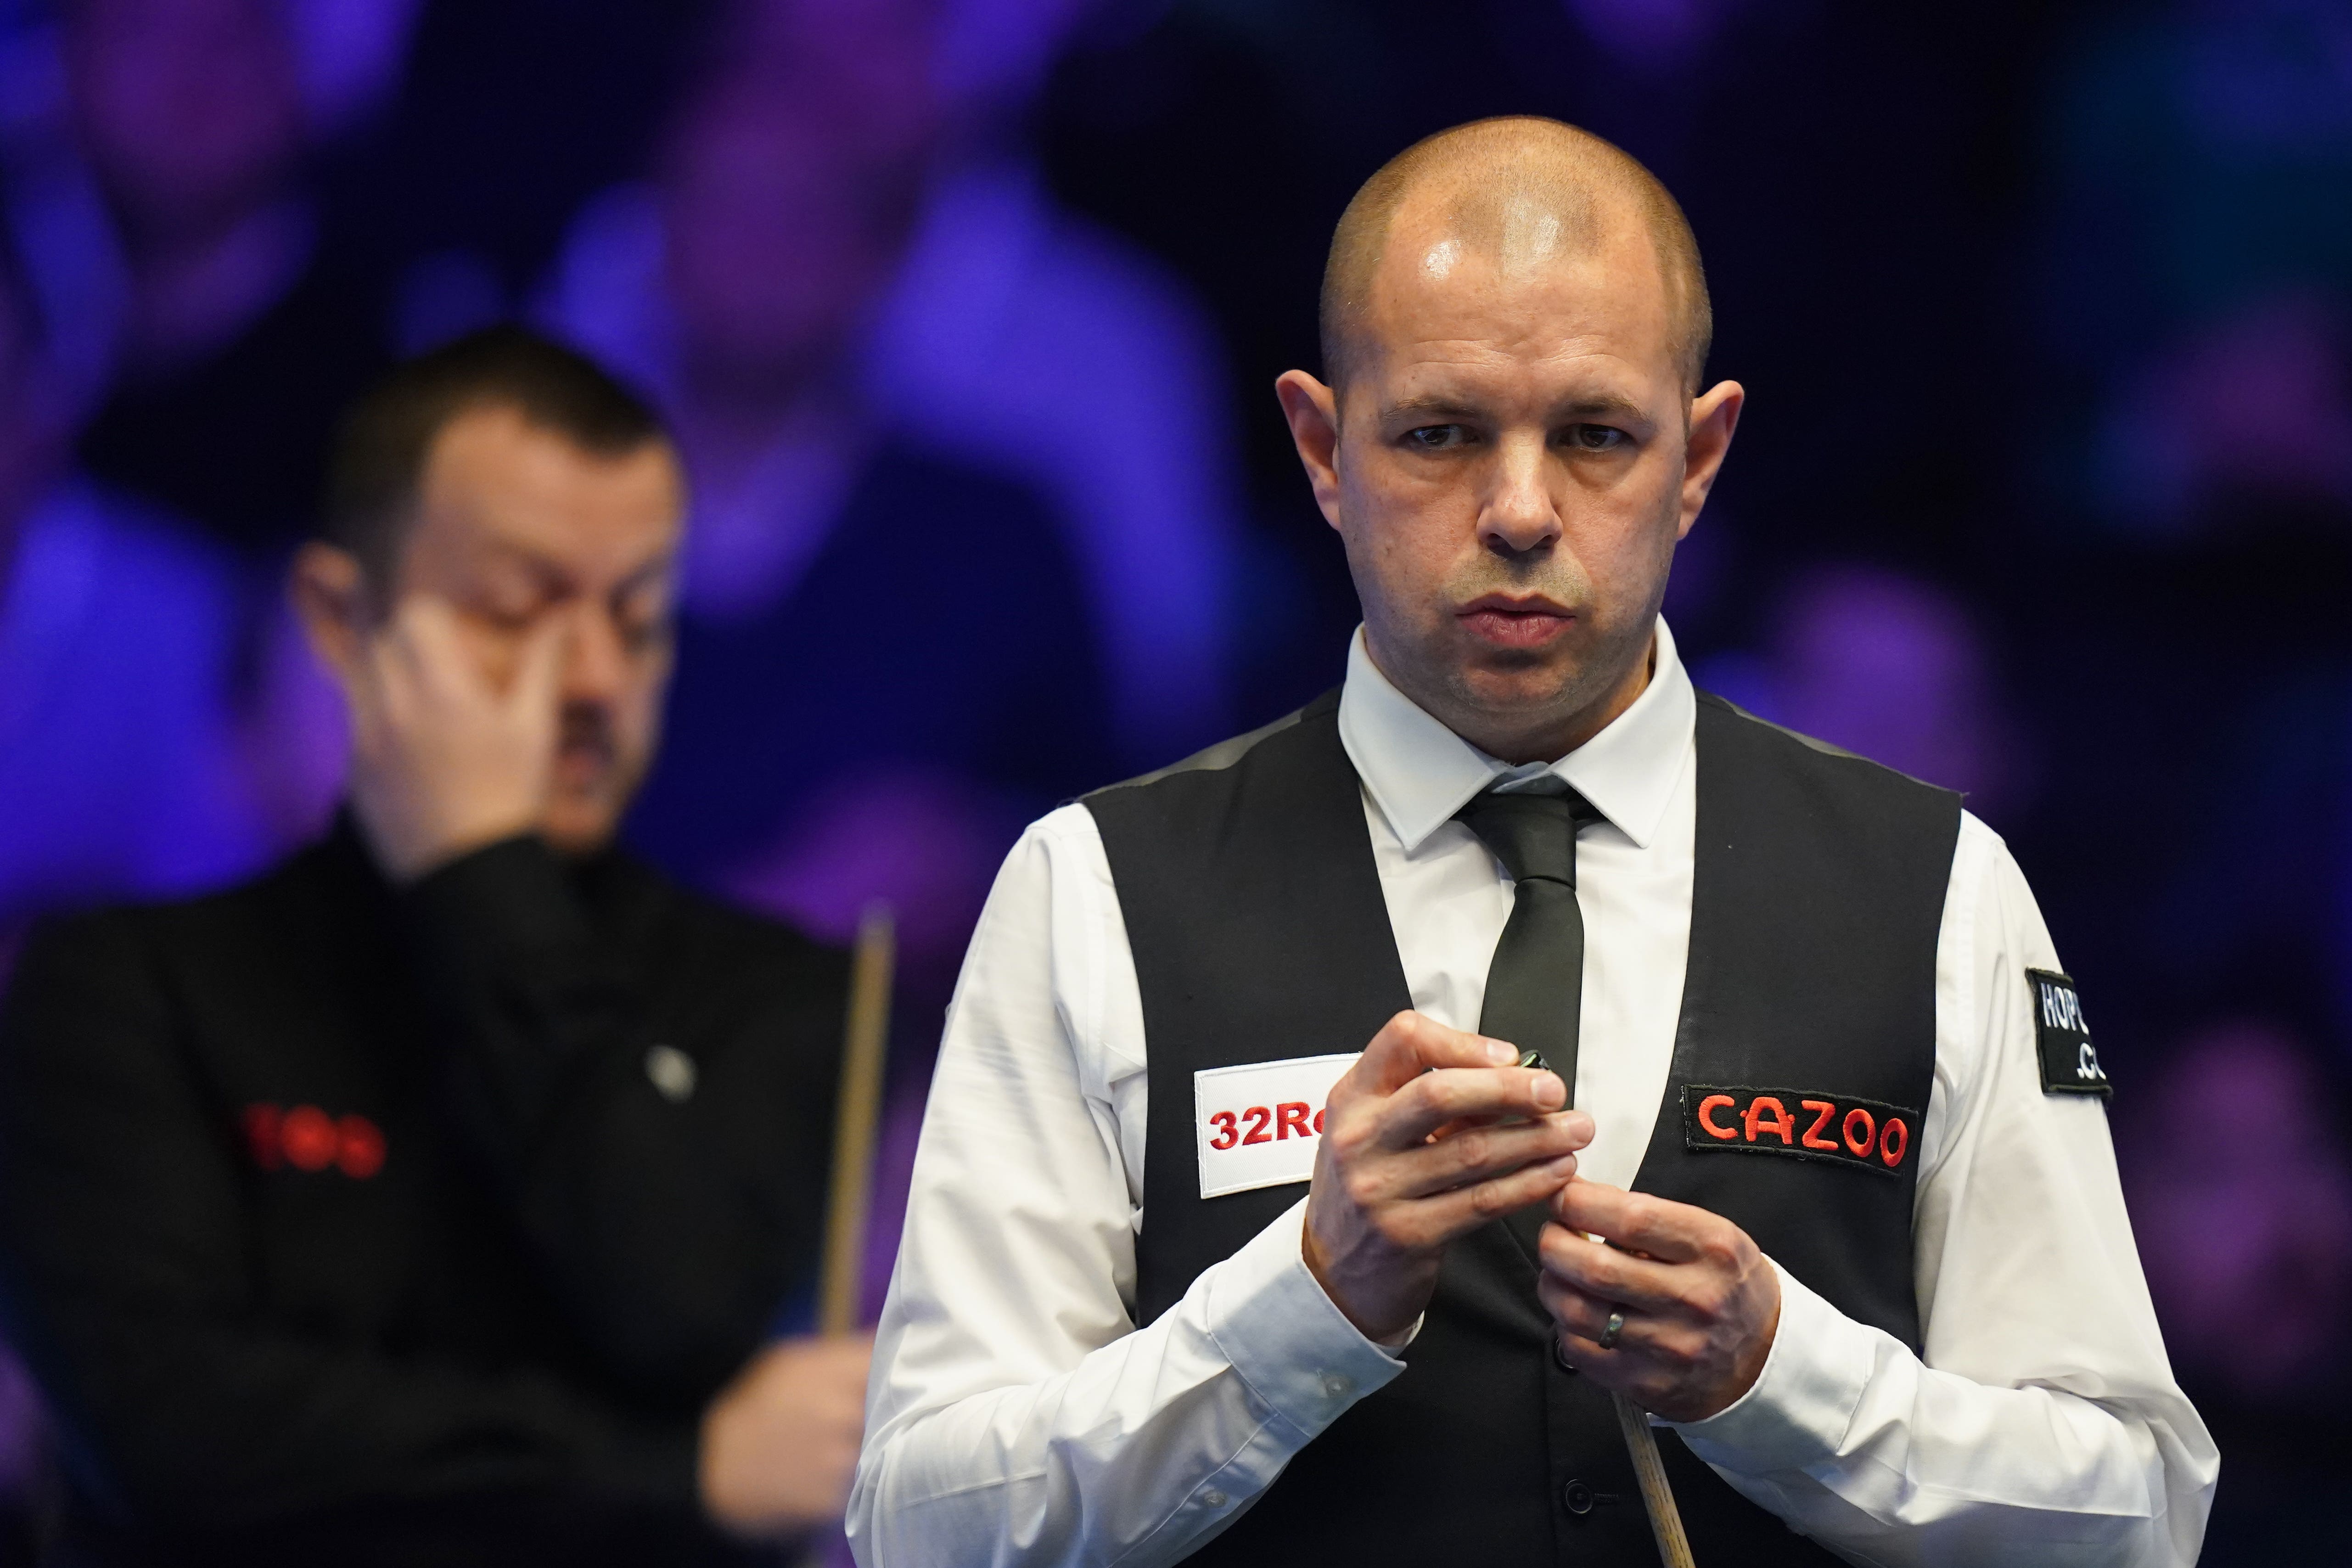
column 1260, row 934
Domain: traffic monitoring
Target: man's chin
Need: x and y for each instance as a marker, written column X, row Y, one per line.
column 580, row 824
column 1510, row 685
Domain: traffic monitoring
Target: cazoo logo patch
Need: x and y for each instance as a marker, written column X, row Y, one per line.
column 1835, row 1128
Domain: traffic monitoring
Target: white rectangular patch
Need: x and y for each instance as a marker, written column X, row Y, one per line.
column 1259, row 1126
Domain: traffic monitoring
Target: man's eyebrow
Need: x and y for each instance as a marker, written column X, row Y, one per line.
column 1434, row 406
column 1598, row 406
column 1604, row 406
column 504, row 552
column 652, row 571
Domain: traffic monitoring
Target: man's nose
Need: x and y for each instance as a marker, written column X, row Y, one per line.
column 596, row 663
column 1519, row 515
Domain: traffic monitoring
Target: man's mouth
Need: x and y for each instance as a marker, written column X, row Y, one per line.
column 585, row 751
column 578, row 764
column 1506, row 621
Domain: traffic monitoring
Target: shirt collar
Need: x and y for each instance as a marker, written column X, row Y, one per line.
column 1420, row 773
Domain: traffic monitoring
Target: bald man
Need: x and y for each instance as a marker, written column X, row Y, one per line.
column 1328, row 1126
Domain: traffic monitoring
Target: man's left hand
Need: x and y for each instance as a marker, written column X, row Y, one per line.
column 780, row 1443
column 1701, row 1303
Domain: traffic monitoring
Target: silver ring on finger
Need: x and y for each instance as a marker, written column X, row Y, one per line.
column 1611, row 1330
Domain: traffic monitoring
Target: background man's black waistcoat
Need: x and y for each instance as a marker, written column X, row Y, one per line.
column 1261, row 935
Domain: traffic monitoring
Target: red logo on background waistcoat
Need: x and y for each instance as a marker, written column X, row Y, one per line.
column 307, row 1139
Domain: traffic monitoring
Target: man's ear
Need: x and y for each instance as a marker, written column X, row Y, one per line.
column 329, row 594
column 1313, row 411
column 1715, row 414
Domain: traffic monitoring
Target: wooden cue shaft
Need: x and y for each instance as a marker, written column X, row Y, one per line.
column 858, row 1110
column 1657, row 1496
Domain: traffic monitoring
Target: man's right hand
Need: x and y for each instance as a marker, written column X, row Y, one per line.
column 1429, row 1135
column 780, row 1443
column 445, row 758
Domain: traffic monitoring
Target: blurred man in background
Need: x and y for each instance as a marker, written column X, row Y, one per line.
column 429, row 1199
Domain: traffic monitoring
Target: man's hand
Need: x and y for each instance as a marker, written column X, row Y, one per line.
column 780, row 1443
column 444, row 760
column 1701, row 1304
column 1429, row 1135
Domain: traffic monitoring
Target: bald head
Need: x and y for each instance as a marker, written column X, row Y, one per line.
column 1518, row 194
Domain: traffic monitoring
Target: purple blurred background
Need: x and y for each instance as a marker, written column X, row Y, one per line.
column 967, row 312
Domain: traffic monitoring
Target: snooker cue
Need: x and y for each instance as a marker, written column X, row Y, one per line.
column 1657, row 1496
column 864, row 1037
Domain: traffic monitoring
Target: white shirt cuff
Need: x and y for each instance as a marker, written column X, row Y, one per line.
column 1801, row 1406
column 1281, row 1332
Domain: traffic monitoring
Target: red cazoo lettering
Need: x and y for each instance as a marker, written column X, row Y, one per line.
column 1834, row 1129
column 1707, row 1123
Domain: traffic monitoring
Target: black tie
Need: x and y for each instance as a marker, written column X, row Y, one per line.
column 1534, row 986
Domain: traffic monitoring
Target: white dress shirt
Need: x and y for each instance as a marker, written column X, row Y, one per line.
column 1017, row 1415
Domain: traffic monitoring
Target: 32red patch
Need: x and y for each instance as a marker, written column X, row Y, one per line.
column 1836, row 1128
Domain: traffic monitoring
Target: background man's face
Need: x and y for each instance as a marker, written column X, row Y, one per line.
column 515, row 525
column 1511, row 469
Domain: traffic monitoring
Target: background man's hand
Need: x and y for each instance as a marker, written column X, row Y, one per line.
column 780, row 1443
column 444, row 759
column 1429, row 1135
column 1701, row 1303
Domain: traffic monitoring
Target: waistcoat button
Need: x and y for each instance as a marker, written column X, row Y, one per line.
column 1577, row 1498
column 1559, row 1356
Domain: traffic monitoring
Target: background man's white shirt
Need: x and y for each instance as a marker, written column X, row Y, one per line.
column 1014, row 1403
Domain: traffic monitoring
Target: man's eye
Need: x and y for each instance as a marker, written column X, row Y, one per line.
column 643, row 629
column 507, row 616
column 1596, row 437
column 1433, row 438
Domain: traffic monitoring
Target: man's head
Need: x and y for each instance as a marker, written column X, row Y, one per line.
column 1513, row 439
column 519, row 483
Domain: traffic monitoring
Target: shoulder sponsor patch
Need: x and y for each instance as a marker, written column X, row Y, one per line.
column 1836, row 1128
column 2069, row 1064
column 1259, row 1125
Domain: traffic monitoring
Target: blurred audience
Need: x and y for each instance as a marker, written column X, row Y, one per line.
column 2199, row 271
column 993, row 326
column 120, row 770
column 1034, row 342
column 870, row 613
column 1888, row 666
column 237, row 330
column 2240, row 1178
column 2246, row 419
column 968, row 536
column 509, row 115
column 432, row 1199
column 2242, row 1182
